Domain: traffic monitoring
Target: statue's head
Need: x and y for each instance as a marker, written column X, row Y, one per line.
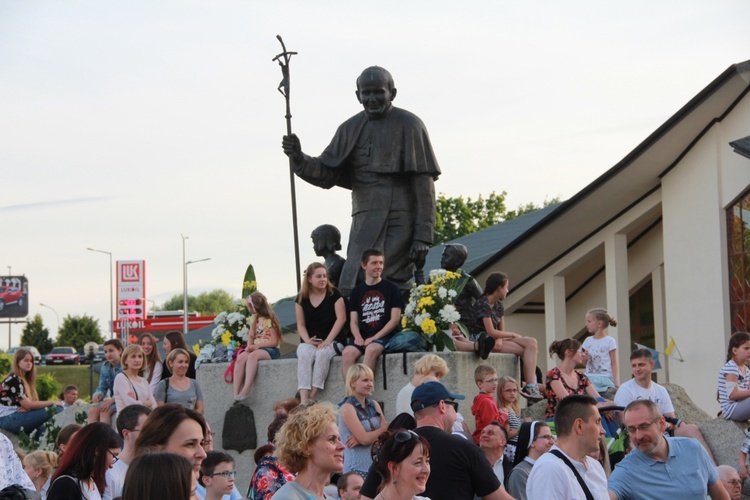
column 454, row 256
column 326, row 239
column 375, row 91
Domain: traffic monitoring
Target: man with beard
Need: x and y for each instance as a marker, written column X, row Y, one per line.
column 659, row 466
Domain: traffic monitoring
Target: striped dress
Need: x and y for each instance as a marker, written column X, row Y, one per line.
column 743, row 381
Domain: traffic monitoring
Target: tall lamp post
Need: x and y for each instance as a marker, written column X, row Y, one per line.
column 58, row 316
column 111, row 288
column 184, row 285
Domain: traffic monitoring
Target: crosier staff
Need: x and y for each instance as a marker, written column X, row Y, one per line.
column 283, row 88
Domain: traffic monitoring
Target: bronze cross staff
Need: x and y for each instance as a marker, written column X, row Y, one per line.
column 283, row 88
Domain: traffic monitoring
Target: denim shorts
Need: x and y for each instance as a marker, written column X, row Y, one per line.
column 274, row 352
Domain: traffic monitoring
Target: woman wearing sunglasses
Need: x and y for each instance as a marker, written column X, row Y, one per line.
column 403, row 459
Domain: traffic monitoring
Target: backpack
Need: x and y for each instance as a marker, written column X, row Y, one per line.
column 16, row 492
column 407, row 341
column 239, row 429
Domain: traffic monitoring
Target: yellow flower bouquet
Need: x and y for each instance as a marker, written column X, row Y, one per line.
column 430, row 310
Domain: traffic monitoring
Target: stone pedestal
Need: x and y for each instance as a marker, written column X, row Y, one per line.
column 277, row 380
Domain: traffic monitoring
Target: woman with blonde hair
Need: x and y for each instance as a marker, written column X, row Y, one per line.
column 129, row 387
column 39, row 466
column 19, row 403
column 361, row 420
column 309, row 445
column 173, row 340
column 152, row 367
column 179, row 388
column 321, row 316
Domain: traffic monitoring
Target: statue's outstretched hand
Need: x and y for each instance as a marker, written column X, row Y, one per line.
column 292, row 147
column 418, row 252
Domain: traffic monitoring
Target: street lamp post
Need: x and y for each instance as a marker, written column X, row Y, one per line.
column 58, row 316
column 111, row 289
column 185, row 286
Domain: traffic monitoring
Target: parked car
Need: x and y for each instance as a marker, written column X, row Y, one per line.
column 34, row 352
column 62, row 356
column 98, row 356
column 10, row 295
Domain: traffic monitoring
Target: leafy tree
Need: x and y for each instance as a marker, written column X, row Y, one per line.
column 77, row 330
column 457, row 217
column 207, row 303
column 37, row 335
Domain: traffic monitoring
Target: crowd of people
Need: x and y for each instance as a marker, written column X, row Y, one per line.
column 316, row 450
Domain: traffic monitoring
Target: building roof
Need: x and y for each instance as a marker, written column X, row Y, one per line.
column 742, row 146
column 622, row 186
column 484, row 244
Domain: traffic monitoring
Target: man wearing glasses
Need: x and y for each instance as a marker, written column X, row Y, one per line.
column 659, row 466
column 459, row 469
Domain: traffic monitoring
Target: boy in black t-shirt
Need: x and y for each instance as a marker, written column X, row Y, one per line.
column 375, row 313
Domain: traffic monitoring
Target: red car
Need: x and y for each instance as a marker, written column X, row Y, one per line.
column 10, row 295
column 62, row 356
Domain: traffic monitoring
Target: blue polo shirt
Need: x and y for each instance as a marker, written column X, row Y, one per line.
column 687, row 473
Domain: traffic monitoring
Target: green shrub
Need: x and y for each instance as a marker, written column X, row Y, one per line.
column 5, row 362
column 47, row 387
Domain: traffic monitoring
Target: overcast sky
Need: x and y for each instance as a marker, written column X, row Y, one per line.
column 126, row 124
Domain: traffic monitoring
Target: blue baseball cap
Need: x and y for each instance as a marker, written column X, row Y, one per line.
column 430, row 394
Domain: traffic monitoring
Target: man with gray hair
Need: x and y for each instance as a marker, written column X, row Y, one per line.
column 659, row 466
column 731, row 481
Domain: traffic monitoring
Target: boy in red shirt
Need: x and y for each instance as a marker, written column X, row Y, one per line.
column 484, row 408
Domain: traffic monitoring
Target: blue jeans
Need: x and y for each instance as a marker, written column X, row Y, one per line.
column 32, row 420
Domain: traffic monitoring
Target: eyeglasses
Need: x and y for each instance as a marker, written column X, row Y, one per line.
column 545, row 436
column 452, row 403
column 227, row 474
column 210, row 436
column 582, row 350
column 115, row 458
column 734, row 481
column 490, row 381
column 643, row 427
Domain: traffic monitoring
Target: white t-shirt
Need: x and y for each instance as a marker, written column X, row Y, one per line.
column 630, row 391
column 599, row 361
column 115, row 480
column 403, row 399
column 552, row 479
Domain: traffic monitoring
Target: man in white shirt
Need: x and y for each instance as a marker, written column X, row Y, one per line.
column 129, row 424
column 642, row 387
column 562, row 473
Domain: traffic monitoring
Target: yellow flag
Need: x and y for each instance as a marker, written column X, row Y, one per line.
column 670, row 347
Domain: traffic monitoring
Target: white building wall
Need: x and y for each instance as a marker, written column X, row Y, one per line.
column 694, row 196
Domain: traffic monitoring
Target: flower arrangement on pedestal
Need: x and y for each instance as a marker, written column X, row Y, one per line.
column 231, row 330
column 430, row 310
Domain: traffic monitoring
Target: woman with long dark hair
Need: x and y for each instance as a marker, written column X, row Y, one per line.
column 82, row 469
column 488, row 315
column 155, row 476
column 175, row 429
column 152, row 367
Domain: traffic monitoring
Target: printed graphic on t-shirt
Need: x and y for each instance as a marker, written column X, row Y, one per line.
column 372, row 308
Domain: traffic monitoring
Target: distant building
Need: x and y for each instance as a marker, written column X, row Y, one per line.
column 658, row 240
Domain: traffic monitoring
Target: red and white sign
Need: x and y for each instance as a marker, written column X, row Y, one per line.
column 131, row 289
column 138, row 326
